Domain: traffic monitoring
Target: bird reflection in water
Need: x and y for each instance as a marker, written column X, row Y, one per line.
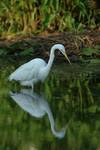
column 37, row 106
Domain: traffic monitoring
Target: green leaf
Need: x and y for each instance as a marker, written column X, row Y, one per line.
column 27, row 52
column 97, row 52
column 95, row 61
column 89, row 51
column 3, row 51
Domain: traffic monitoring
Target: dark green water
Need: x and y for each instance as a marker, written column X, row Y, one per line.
column 62, row 113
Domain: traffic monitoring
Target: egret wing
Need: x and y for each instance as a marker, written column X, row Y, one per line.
column 28, row 71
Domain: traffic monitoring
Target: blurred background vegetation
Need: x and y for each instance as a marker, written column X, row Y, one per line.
column 34, row 16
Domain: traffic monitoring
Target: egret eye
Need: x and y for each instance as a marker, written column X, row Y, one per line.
column 63, row 51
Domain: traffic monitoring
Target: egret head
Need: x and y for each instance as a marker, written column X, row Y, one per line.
column 62, row 50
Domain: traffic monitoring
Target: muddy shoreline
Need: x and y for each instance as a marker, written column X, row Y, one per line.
column 37, row 46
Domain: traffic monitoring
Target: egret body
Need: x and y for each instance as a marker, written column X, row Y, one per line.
column 36, row 69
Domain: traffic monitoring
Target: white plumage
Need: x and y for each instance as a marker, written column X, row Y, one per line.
column 28, row 73
column 36, row 69
column 37, row 106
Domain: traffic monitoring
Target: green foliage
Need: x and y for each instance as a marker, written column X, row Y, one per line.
column 3, row 51
column 36, row 16
column 27, row 52
column 90, row 51
column 92, row 55
column 71, row 96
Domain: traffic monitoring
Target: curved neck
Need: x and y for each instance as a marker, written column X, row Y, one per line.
column 58, row 134
column 52, row 123
column 51, row 59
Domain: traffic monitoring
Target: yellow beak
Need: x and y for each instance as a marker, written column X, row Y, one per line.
column 67, row 58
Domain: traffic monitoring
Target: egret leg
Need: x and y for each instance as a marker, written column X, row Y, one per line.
column 32, row 86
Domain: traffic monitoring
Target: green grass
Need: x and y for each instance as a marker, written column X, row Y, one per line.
column 19, row 16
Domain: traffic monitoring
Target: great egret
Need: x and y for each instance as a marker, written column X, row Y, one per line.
column 36, row 69
column 37, row 106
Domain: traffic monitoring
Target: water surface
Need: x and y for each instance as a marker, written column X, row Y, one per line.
column 62, row 113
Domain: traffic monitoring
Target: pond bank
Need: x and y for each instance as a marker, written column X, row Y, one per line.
column 36, row 46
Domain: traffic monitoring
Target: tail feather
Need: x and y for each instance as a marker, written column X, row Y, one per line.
column 11, row 77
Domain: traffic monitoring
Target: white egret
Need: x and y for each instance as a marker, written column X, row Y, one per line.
column 37, row 106
column 36, row 69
